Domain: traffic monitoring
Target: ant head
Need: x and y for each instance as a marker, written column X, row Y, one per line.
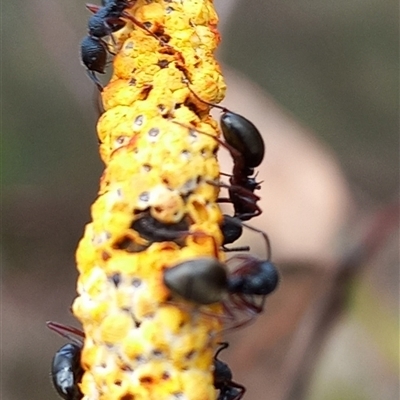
column 252, row 184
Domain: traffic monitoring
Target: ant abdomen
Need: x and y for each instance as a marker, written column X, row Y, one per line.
column 66, row 371
column 242, row 134
column 94, row 54
column 200, row 280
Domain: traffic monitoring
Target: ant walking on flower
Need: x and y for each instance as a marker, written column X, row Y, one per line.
column 66, row 369
column 206, row 280
column 228, row 389
column 246, row 146
column 106, row 20
column 67, row 372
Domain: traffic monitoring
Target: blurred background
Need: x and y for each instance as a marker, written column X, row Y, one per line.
column 320, row 80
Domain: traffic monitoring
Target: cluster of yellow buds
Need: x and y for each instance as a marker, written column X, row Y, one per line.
column 142, row 343
column 154, row 291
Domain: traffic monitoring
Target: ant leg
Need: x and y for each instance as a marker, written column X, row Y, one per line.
column 223, row 346
column 235, row 154
column 242, row 302
column 266, row 239
column 65, row 331
column 231, row 249
column 93, row 77
column 244, row 195
column 239, row 387
column 98, row 104
column 240, row 324
column 247, row 216
column 239, row 189
column 238, row 222
column 141, row 25
column 224, row 200
column 93, row 8
column 223, row 109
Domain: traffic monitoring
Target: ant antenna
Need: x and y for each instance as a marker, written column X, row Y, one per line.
column 234, row 153
column 223, row 109
column 265, row 236
column 223, row 346
column 63, row 330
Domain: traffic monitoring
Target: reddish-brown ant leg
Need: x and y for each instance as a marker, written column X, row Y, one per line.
column 246, row 196
column 93, row 7
column 64, row 331
column 266, row 239
column 243, row 303
column 240, row 324
column 235, row 154
column 239, row 187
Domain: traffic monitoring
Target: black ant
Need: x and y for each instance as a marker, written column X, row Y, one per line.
column 242, row 185
column 153, row 230
column 149, row 228
column 232, row 229
column 106, row 20
column 253, row 277
column 246, row 146
column 202, row 280
column 228, row 389
column 241, row 134
column 206, row 281
column 66, row 369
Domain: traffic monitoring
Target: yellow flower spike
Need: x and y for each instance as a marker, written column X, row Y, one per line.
column 152, row 13
column 115, row 327
column 142, row 341
column 197, row 384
